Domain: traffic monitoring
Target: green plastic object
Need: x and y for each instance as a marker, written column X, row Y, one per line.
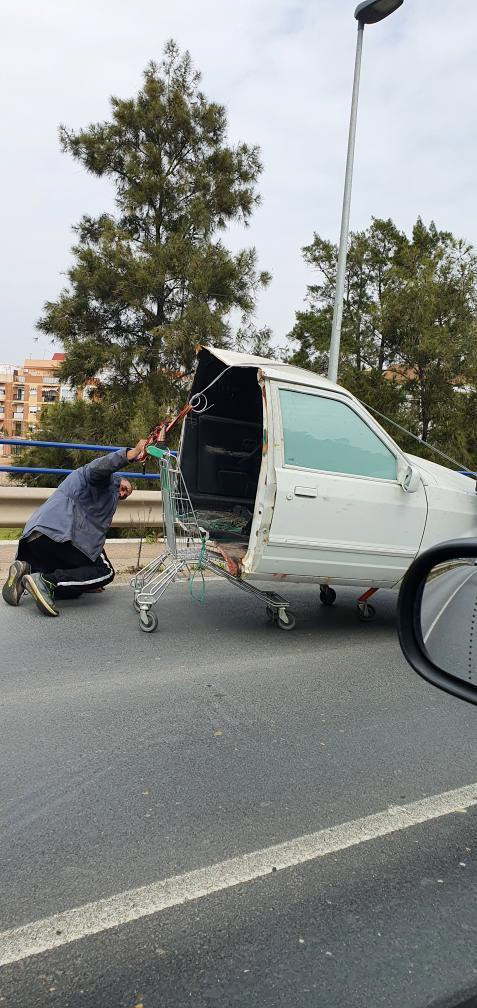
column 152, row 449
column 200, row 596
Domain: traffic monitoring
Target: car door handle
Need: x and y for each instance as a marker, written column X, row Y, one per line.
column 304, row 491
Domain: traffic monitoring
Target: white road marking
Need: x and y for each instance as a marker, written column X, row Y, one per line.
column 134, row 904
column 444, row 607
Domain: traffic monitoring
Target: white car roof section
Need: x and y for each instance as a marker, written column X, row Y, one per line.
column 276, row 369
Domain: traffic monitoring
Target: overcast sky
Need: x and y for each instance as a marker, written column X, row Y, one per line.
column 283, row 68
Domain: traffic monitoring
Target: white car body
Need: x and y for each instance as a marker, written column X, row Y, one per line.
column 337, row 527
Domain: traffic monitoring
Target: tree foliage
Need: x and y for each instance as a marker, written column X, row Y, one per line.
column 408, row 343
column 154, row 279
column 99, row 422
column 151, row 281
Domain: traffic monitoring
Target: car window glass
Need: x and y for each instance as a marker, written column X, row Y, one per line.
column 321, row 433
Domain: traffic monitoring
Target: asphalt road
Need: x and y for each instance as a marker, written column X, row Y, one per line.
column 129, row 758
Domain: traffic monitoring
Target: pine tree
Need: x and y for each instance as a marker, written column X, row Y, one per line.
column 408, row 346
column 155, row 279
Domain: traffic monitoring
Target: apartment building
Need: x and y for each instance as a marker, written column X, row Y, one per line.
column 25, row 391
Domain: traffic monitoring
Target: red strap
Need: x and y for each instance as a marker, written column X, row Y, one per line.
column 158, row 434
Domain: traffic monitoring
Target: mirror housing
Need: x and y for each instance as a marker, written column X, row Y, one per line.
column 409, row 616
column 409, row 477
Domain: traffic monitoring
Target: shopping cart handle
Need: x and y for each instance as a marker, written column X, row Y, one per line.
column 152, row 449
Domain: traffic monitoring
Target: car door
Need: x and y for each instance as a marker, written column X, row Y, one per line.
column 340, row 512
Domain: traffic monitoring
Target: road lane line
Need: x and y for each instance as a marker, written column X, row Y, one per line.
column 444, row 607
column 134, row 904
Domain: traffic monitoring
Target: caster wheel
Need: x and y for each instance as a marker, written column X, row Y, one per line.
column 148, row 621
column 366, row 612
column 286, row 620
column 327, row 595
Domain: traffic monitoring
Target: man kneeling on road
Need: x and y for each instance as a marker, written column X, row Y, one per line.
column 61, row 549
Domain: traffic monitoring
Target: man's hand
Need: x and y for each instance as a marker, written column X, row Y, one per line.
column 137, row 454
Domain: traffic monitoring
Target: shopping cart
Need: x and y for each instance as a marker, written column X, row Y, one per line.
column 186, row 547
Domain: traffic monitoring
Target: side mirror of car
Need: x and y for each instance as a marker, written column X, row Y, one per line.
column 437, row 617
column 409, row 478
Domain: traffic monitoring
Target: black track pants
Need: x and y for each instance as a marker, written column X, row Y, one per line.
column 66, row 567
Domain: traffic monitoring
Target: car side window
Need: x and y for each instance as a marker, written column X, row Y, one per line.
column 324, row 434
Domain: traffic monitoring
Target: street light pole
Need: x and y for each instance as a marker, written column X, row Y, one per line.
column 343, row 246
column 367, row 12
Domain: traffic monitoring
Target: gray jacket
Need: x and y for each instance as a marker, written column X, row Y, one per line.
column 81, row 508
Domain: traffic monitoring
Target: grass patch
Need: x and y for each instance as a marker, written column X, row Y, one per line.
column 10, row 533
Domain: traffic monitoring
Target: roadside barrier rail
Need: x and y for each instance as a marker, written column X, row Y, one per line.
column 143, row 509
column 77, row 446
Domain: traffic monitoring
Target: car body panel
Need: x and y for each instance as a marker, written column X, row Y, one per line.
column 342, row 528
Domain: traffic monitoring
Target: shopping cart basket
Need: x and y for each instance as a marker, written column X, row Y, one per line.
column 185, row 547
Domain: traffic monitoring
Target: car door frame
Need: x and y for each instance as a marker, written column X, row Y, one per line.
column 402, row 462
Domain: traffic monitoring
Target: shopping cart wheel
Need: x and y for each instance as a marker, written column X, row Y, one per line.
column 366, row 612
column 327, row 595
column 148, row 621
column 286, row 620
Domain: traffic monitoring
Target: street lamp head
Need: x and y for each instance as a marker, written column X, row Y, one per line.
column 372, row 11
